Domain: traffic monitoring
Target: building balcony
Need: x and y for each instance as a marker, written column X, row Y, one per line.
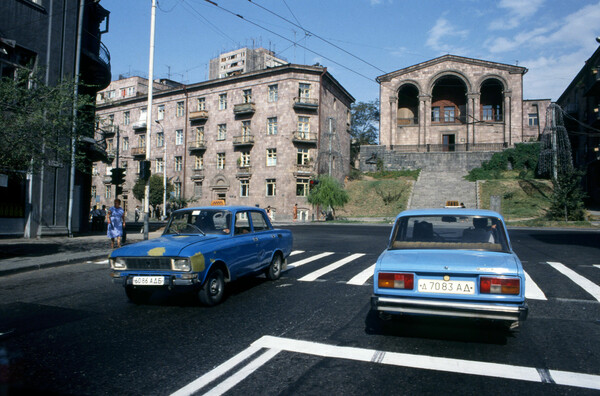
column 200, row 115
column 110, row 130
column 304, row 137
column 306, row 103
column 139, row 126
column 407, row 121
column 243, row 140
column 95, row 58
column 196, row 145
column 244, row 109
column 303, row 170
column 244, row 170
column 106, row 179
column 138, row 151
column 111, row 153
column 197, row 174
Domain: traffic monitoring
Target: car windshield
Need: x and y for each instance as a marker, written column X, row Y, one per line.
column 200, row 221
column 449, row 232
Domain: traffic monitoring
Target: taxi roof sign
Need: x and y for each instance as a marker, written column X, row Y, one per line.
column 217, row 202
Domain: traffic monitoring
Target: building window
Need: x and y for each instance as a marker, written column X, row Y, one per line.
column 198, row 189
column 201, row 104
column 107, row 193
column 244, row 188
column 94, row 193
column 273, row 93
column 160, row 139
column 142, row 141
column 247, row 96
column 491, row 113
column 435, row 114
column 161, row 112
column 220, row 160
column 272, row 126
column 130, row 91
column 110, row 145
column 180, row 109
column 200, row 134
column 199, row 163
column 126, row 118
column 221, row 131
column 125, row 143
column 271, row 157
column 143, row 114
column 302, row 187
column 302, row 157
column 304, row 91
column 111, row 119
column 303, row 127
column 160, row 165
column 533, row 119
column 246, row 130
column 179, row 137
column 244, row 159
column 124, row 166
column 95, row 170
column 271, row 185
column 449, row 113
column 177, row 189
column 178, row 163
column 223, row 101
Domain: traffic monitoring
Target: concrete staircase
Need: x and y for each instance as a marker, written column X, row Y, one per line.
column 434, row 188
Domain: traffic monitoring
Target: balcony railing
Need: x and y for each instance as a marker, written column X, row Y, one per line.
column 197, row 174
column 195, row 145
column 303, row 169
column 244, row 108
column 107, row 179
column 408, row 121
column 139, row 125
column 138, row 151
column 304, row 137
column 200, row 115
column 109, row 130
column 244, row 170
column 432, row 148
column 243, row 140
column 306, row 103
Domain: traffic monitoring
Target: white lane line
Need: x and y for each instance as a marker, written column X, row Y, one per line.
column 362, row 277
column 243, row 373
column 532, row 290
column 218, row 371
column 458, row 366
column 99, row 262
column 331, row 267
column 597, row 265
column 584, row 283
column 295, row 252
column 307, row 260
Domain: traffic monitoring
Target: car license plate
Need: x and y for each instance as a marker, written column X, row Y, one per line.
column 149, row 280
column 446, row 287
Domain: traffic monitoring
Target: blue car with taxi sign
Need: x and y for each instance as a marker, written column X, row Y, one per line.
column 200, row 250
column 452, row 263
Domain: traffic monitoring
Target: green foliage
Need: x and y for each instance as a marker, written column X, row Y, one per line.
column 567, row 200
column 367, row 198
column 523, row 158
column 521, row 199
column 389, row 196
column 355, row 174
column 365, row 126
column 156, row 189
column 329, row 192
column 36, row 122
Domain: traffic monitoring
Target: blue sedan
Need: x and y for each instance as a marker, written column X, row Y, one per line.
column 200, row 250
column 450, row 262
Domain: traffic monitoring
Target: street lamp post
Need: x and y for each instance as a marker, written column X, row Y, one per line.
column 164, row 208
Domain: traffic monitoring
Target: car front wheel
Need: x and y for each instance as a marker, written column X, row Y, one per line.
column 211, row 293
column 273, row 271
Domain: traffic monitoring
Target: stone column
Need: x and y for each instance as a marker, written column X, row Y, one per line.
column 506, row 118
column 424, row 116
column 473, row 115
column 393, row 119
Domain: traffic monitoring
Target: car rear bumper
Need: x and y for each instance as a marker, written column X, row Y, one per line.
column 400, row 305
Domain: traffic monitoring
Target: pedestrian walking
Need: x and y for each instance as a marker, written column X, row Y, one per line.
column 116, row 221
column 137, row 213
column 102, row 219
column 295, row 212
column 269, row 213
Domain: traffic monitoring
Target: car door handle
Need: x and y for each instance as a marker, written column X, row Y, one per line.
column 255, row 239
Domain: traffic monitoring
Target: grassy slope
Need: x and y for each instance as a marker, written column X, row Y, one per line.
column 365, row 202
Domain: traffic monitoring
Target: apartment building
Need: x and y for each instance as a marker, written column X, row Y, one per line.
column 242, row 60
column 256, row 138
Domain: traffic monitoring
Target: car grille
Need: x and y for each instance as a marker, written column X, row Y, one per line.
column 148, row 263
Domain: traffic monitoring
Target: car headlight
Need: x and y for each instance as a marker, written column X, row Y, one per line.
column 118, row 263
column 181, row 264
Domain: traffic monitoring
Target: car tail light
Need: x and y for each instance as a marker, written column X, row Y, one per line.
column 499, row 285
column 395, row 281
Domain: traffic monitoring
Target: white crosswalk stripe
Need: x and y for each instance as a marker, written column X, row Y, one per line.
column 581, row 281
column 297, row 264
column 532, row 290
column 295, row 252
column 331, row 267
column 362, row 277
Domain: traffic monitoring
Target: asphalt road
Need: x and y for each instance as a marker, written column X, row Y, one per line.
column 69, row 330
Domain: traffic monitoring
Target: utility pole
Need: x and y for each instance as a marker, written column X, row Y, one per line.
column 149, row 118
column 330, row 146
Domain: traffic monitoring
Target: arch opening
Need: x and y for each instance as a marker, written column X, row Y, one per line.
column 408, row 105
column 492, row 100
column 449, row 101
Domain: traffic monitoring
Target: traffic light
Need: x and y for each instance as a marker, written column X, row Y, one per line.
column 117, row 176
column 144, row 170
column 118, row 190
column 313, row 183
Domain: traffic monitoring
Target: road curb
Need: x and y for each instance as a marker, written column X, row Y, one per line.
column 56, row 263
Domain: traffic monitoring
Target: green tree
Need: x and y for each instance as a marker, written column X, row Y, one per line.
column 567, row 199
column 36, row 122
column 328, row 192
column 156, row 189
column 365, row 126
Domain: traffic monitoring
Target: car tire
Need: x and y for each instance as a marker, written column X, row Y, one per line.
column 273, row 271
column 212, row 291
column 137, row 296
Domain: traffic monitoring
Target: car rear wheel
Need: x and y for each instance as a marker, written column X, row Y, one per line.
column 273, row 271
column 137, row 296
column 211, row 293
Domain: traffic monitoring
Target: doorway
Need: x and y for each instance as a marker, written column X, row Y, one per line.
column 448, row 142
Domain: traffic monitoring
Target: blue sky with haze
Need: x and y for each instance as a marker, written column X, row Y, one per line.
column 552, row 39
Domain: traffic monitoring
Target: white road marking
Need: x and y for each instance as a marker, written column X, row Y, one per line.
column 331, row 267
column 532, row 290
column 274, row 345
column 307, row 260
column 295, row 252
column 99, row 262
column 584, row 283
column 362, row 277
column 243, row 373
column 597, row 265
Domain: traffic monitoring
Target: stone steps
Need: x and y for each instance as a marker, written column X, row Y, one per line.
column 434, row 188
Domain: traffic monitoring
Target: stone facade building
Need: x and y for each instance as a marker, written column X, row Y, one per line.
column 256, row 138
column 241, row 61
column 453, row 103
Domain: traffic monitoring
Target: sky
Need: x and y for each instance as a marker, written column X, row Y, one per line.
column 358, row 40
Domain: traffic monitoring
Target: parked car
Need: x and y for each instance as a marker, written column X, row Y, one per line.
column 450, row 262
column 200, row 250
